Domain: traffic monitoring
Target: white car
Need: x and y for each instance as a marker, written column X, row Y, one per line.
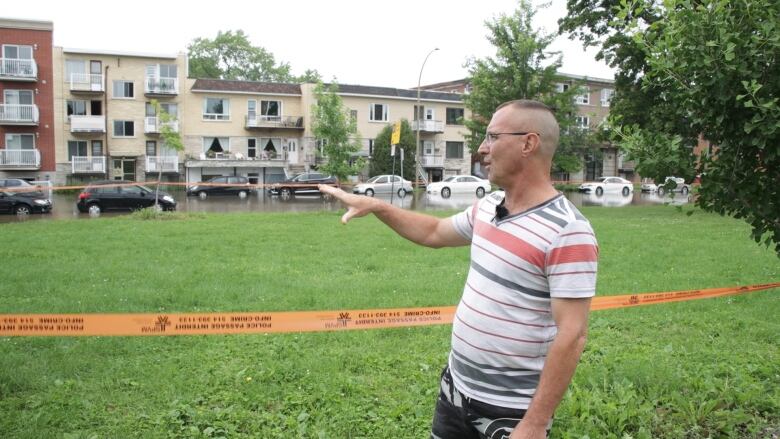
column 383, row 184
column 467, row 184
column 608, row 184
column 670, row 184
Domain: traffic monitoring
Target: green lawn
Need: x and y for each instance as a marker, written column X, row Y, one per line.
column 708, row 368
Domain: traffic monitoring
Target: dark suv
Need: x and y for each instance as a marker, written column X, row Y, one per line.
column 120, row 195
column 302, row 184
column 230, row 185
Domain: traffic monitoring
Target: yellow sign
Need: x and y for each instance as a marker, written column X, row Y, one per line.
column 396, row 137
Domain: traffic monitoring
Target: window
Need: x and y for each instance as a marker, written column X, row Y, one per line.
column 97, row 148
column 75, row 67
column 95, row 108
column 454, row 150
column 124, row 128
column 168, row 70
column 562, row 87
column 353, row 115
column 251, row 147
column 370, row 147
column 582, row 122
column 20, row 141
column 77, row 108
column 454, row 116
column 171, row 109
column 216, row 144
column 584, row 98
column 123, row 89
column 606, row 96
column 216, row 109
column 271, row 110
column 77, row 148
column 378, row 113
column 13, row 51
column 151, row 148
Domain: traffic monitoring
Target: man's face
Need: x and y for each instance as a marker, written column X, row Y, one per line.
column 501, row 153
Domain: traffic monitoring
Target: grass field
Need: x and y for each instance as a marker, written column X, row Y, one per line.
column 708, row 368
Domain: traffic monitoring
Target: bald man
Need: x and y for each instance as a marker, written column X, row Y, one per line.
column 521, row 323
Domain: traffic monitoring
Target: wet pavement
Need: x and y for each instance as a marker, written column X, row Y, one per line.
column 65, row 204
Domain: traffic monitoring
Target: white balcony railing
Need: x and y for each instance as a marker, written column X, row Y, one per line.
column 86, row 82
column 19, row 114
column 87, row 124
column 166, row 163
column 23, row 158
column 152, row 124
column 259, row 121
column 163, row 86
column 429, row 161
column 18, row 68
column 431, row 126
column 88, row 165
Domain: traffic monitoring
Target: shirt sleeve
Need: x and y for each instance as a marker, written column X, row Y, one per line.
column 464, row 221
column 571, row 262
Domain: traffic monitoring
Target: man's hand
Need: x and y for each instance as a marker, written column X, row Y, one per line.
column 357, row 205
column 528, row 431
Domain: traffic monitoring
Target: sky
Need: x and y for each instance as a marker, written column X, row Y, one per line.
column 359, row 42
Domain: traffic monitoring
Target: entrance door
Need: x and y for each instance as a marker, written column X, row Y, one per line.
column 124, row 169
column 292, row 150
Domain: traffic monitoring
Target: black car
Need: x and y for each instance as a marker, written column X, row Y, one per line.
column 226, row 185
column 120, row 195
column 302, row 184
column 23, row 203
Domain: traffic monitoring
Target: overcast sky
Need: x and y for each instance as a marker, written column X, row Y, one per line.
column 356, row 41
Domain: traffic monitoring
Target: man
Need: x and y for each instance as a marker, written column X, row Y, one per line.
column 520, row 326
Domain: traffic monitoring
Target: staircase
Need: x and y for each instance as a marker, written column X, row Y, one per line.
column 422, row 176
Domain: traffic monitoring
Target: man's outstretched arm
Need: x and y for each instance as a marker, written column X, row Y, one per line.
column 422, row 229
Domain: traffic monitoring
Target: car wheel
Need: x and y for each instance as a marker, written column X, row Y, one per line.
column 599, row 191
column 480, row 192
column 22, row 209
column 684, row 190
column 202, row 195
column 661, row 190
column 401, row 192
column 286, row 194
column 626, row 191
column 242, row 194
column 369, row 192
column 445, row 192
column 94, row 209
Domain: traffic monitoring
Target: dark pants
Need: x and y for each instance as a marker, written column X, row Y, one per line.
column 460, row 417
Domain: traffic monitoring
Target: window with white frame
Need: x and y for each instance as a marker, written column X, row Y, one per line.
column 19, row 141
column 562, row 87
column 378, row 112
column 271, row 110
column 124, row 128
column 13, row 51
column 454, row 150
column 454, row 116
column 251, row 147
column 170, row 109
column 606, row 96
column 76, row 108
column 77, row 148
column 584, row 98
column 216, row 109
column 353, row 115
column 18, row 97
column 75, row 67
column 216, row 145
column 123, row 89
column 582, row 122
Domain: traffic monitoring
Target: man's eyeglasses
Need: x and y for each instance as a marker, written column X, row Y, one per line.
column 492, row 137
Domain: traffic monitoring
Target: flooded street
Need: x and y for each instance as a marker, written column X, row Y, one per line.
column 65, row 204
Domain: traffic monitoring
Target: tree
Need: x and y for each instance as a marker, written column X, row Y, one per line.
column 334, row 126
column 523, row 68
column 382, row 162
column 171, row 139
column 232, row 56
column 714, row 64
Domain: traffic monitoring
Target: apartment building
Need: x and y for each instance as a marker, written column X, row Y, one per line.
column 105, row 122
column 27, row 132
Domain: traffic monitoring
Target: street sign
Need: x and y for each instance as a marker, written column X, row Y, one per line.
column 395, row 139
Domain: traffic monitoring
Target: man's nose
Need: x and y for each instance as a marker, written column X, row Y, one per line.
column 483, row 147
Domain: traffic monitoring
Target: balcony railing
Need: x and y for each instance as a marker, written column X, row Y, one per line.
column 17, row 114
column 430, row 126
column 87, row 124
column 432, row 161
column 162, row 86
column 155, row 163
column 23, row 69
column 153, row 124
column 295, row 122
column 20, row 158
column 84, row 82
column 88, row 165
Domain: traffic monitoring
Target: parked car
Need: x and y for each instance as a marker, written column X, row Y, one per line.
column 13, row 183
column 459, row 184
column 674, row 184
column 120, row 195
column 383, row 184
column 608, row 184
column 302, row 184
column 648, row 185
column 224, row 185
column 23, row 203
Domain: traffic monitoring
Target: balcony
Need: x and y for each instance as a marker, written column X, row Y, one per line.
column 18, row 70
column 16, row 114
column 88, row 165
column 432, row 161
column 237, row 160
column 156, row 163
column 274, row 122
column 87, row 124
column 155, row 86
column 86, row 83
column 153, row 124
column 428, row 126
column 20, row 159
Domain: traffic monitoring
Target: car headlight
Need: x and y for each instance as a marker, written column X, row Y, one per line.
column 41, row 202
column 168, row 199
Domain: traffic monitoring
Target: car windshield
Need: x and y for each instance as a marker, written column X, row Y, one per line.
column 145, row 188
column 373, row 179
column 450, row 178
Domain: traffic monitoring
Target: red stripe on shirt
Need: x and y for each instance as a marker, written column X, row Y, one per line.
column 573, row 253
column 503, row 303
column 492, row 351
column 531, row 231
column 507, row 262
column 510, row 243
column 499, row 335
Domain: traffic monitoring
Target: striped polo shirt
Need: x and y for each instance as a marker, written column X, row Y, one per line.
column 503, row 326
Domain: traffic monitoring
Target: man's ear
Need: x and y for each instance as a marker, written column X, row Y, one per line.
column 530, row 145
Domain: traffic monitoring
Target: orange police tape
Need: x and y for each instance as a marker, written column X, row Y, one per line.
column 306, row 321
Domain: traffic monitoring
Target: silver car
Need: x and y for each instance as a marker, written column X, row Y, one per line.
column 383, row 184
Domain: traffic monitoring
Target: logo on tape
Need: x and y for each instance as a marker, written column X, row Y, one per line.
column 160, row 324
column 633, row 300
column 343, row 318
